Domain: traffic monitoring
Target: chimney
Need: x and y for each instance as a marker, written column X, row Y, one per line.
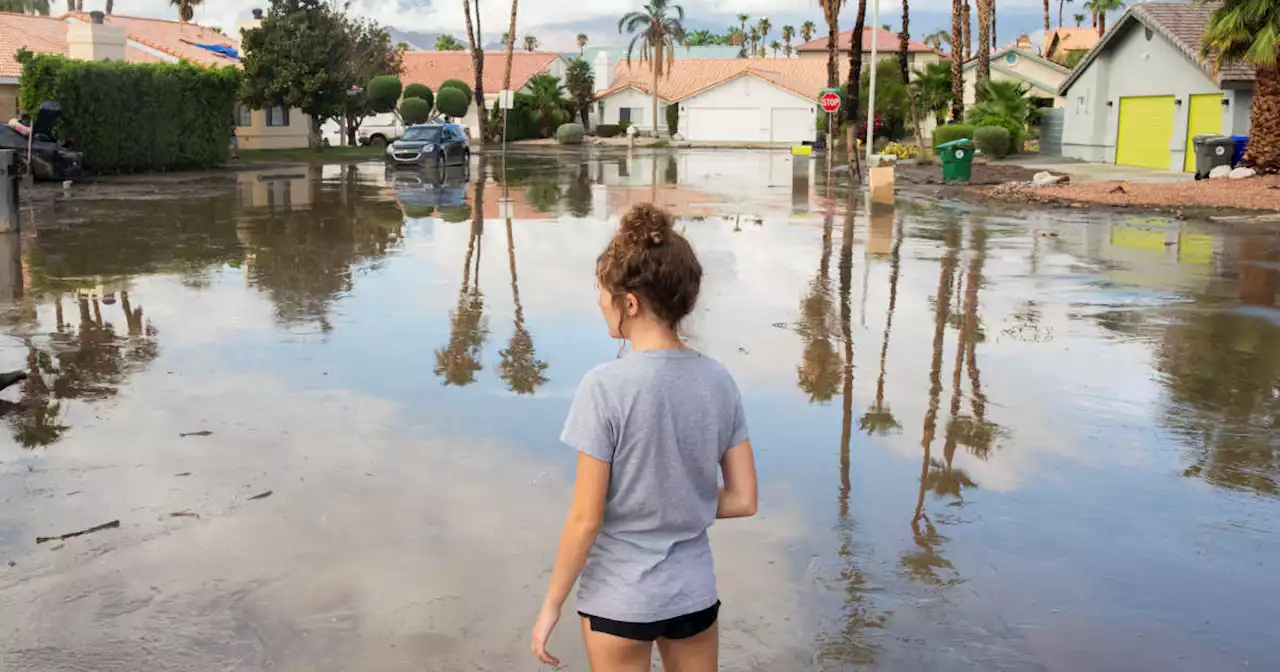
column 96, row 40
column 602, row 70
column 1024, row 42
column 249, row 24
column 257, row 14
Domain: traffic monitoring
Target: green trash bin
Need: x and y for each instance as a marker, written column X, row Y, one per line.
column 957, row 160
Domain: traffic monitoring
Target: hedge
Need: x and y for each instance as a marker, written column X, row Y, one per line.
column 673, row 119
column 951, row 132
column 451, row 102
column 459, row 85
column 415, row 111
column 607, row 130
column 522, row 123
column 132, row 117
column 993, row 141
column 421, row 91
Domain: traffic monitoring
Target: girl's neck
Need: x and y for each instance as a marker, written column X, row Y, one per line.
column 647, row 335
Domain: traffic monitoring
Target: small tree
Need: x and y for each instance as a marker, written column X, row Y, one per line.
column 383, row 93
column 421, row 91
column 369, row 54
column 448, row 43
column 415, row 111
column 452, row 102
column 581, row 83
column 548, row 95
column 457, row 84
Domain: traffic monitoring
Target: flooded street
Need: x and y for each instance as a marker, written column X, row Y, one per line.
column 323, row 403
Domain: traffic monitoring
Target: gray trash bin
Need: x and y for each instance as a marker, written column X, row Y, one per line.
column 1212, row 151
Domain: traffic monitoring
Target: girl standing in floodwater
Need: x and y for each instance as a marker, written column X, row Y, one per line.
column 654, row 430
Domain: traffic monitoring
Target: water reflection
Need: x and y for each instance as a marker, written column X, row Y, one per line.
column 879, row 419
column 520, row 365
column 459, row 361
column 819, row 372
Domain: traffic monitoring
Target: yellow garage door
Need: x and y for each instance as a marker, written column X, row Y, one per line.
column 1205, row 118
column 1146, row 127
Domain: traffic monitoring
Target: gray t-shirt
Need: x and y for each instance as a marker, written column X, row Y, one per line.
column 663, row 418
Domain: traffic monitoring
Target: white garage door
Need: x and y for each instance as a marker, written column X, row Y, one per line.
column 793, row 124
column 725, row 124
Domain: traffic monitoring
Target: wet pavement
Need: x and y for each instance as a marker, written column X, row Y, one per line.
column 1033, row 440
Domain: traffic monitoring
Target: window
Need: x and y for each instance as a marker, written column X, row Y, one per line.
column 244, row 115
column 624, row 115
column 1011, row 58
column 278, row 116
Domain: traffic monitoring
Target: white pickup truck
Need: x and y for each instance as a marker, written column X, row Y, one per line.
column 380, row 130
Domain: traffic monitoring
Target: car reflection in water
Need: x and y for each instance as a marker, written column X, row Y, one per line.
column 422, row 192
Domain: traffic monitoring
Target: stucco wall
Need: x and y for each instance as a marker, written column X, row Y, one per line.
column 259, row 135
column 8, row 102
column 759, row 97
column 1023, row 69
column 630, row 98
column 1133, row 66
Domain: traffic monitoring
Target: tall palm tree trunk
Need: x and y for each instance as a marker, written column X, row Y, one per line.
column 957, row 61
column 1061, row 5
column 904, row 43
column 1046, row 17
column 991, row 9
column 1102, row 23
column 477, row 64
column 968, row 44
column 657, row 67
column 854, row 80
column 833, row 71
column 984, row 41
column 511, row 43
column 1263, row 151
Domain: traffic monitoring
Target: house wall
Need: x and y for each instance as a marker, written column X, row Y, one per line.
column 1239, row 106
column 1132, row 65
column 8, row 102
column 1023, row 69
column 630, row 98
column 745, row 108
column 259, row 135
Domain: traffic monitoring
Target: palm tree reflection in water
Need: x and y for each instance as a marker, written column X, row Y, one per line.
column 819, row 373
column 519, row 365
column 459, row 360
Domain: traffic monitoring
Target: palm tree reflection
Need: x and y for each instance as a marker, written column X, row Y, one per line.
column 819, row 373
column 879, row 419
column 459, row 360
column 519, row 364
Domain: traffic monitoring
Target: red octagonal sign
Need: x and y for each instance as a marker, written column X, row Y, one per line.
column 830, row 101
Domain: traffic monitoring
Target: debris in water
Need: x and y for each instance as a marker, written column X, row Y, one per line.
column 12, row 563
column 95, row 528
column 261, row 495
column 1046, row 234
column 73, row 492
column 184, row 514
column 59, row 547
column 185, row 473
column 203, row 432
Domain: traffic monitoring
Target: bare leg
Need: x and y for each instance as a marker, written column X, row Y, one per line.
column 608, row 653
column 699, row 653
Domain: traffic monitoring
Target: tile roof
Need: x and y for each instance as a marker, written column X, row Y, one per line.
column 1071, row 39
column 43, row 35
column 1182, row 24
column 434, row 67
column 171, row 37
column 887, row 42
column 803, row 76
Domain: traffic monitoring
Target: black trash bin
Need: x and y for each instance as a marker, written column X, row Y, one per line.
column 1212, row 151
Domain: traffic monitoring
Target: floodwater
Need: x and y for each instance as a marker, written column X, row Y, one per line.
column 987, row 440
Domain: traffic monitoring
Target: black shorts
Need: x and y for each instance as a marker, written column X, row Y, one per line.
column 680, row 627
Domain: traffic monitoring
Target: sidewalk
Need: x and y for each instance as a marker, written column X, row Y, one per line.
column 1084, row 173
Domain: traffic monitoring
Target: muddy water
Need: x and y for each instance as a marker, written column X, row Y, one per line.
column 987, row 440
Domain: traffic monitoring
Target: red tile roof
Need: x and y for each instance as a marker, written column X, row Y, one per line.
column 42, row 35
column 888, row 42
column 434, row 67
column 1070, row 39
column 803, row 76
column 171, row 37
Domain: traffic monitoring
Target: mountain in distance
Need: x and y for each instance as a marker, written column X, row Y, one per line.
column 417, row 41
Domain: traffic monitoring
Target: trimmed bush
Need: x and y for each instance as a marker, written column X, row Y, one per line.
column 673, row 119
column 415, row 111
column 452, row 102
column 951, row 132
column 383, row 92
column 421, row 91
column 607, row 130
column 570, row 134
column 459, row 85
column 993, row 141
column 134, row 117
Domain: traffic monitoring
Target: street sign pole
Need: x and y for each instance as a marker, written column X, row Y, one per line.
column 829, row 101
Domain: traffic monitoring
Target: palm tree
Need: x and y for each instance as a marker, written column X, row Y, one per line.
column 853, row 85
column 508, row 40
column 547, row 95
column 1079, row 19
column 932, row 87
column 765, row 25
column 582, row 43
column 957, row 61
column 937, row 39
column 786, row 50
column 742, row 21
column 788, row 32
column 530, row 43
column 186, row 8
column 776, row 47
column 806, row 31
column 581, row 83
column 904, row 44
column 40, row 7
column 474, row 36
column 111, row 5
column 968, row 53
column 658, row 32
column 984, row 41
column 1061, row 6
column 1248, row 31
column 754, row 39
column 831, row 12
column 448, row 43
column 702, row 38
column 1046, row 17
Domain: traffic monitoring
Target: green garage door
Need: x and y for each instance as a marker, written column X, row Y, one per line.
column 1146, row 128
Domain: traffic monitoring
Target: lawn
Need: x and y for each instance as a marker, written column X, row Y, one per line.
column 306, row 154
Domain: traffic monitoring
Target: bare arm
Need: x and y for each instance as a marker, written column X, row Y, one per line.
column 738, row 494
column 580, row 527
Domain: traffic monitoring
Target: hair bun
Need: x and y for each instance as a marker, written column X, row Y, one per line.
column 646, row 225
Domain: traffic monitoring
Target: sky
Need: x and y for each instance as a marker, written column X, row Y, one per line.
column 556, row 23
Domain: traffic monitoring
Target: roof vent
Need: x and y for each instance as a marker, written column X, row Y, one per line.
column 96, row 17
column 257, row 14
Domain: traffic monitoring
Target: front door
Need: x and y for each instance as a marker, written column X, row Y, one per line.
column 1146, row 128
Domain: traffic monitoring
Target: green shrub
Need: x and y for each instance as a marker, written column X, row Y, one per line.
column 420, row 91
column 415, row 111
column 993, row 141
column 452, row 102
column 459, row 85
column 1003, row 103
column 570, row 134
column 607, row 130
column 623, row 126
column 132, row 117
column 673, row 119
column 951, row 132
column 383, row 92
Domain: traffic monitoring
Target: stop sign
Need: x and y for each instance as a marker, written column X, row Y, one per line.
column 829, row 100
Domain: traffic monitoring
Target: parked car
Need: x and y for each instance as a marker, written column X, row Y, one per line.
column 49, row 160
column 380, row 130
column 436, row 145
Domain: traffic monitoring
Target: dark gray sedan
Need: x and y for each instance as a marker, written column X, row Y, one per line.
column 434, row 145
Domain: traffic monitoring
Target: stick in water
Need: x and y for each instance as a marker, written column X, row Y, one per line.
column 95, row 528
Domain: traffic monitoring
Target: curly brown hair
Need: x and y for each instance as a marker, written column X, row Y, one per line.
column 649, row 259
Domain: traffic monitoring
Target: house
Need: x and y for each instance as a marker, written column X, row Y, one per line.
column 752, row 100
column 887, row 45
column 1143, row 91
column 434, row 67
column 1041, row 76
column 1068, row 45
column 137, row 40
column 618, row 54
